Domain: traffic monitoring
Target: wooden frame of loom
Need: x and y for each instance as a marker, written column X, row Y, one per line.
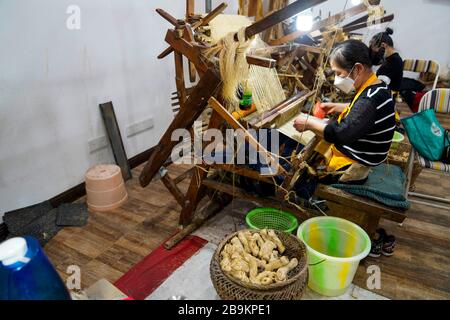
column 190, row 103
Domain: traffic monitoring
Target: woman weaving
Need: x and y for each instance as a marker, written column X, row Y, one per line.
column 364, row 130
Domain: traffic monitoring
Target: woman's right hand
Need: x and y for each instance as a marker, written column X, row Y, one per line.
column 333, row 108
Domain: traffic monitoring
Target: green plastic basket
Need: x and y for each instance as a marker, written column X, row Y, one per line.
column 269, row 218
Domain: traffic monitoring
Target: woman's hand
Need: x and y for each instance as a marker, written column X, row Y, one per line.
column 305, row 123
column 333, row 108
column 301, row 124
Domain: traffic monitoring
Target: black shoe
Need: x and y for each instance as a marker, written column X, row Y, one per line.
column 377, row 244
column 388, row 246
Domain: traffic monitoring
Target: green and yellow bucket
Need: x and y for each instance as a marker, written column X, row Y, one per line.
column 335, row 248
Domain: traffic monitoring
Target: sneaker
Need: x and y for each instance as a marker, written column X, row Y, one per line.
column 388, row 247
column 377, row 244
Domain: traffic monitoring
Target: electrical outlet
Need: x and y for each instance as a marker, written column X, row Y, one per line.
column 140, row 127
column 98, row 144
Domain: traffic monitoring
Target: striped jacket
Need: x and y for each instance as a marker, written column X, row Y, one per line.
column 366, row 134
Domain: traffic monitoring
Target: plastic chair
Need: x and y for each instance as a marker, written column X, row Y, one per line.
column 419, row 66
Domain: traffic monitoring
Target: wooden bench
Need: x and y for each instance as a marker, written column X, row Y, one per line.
column 362, row 211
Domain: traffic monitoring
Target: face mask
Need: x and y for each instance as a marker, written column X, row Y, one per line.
column 378, row 57
column 346, row 85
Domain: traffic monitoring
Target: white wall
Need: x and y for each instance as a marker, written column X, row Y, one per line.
column 53, row 79
column 421, row 27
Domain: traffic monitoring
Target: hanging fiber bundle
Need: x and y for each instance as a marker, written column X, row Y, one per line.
column 233, row 65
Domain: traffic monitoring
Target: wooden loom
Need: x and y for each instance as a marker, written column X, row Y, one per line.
column 185, row 40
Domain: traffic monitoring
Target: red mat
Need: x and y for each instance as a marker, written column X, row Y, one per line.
column 145, row 277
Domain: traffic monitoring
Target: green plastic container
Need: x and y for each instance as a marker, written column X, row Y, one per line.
column 335, row 247
column 398, row 138
column 270, row 218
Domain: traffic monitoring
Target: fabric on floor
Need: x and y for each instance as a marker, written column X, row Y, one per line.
column 153, row 270
column 385, row 184
column 192, row 282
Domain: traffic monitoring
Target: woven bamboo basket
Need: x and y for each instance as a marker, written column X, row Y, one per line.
column 229, row 288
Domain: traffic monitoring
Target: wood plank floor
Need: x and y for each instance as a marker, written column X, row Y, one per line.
column 113, row 242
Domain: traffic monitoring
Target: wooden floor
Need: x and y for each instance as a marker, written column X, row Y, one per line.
column 113, row 242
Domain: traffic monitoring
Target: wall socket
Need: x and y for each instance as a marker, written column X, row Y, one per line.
column 98, row 144
column 140, row 127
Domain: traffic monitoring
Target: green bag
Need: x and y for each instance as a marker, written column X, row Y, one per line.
column 426, row 134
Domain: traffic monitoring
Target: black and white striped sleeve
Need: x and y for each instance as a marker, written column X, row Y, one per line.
column 356, row 125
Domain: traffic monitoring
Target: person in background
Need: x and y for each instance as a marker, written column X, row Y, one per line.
column 383, row 54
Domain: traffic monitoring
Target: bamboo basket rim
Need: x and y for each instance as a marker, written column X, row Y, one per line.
column 302, row 263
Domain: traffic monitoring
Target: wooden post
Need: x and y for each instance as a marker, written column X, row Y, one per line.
column 115, row 139
column 196, row 189
column 179, row 78
column 190, row 8
column 193, row 108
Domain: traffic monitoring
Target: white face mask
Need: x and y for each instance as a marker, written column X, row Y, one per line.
column 346, row 85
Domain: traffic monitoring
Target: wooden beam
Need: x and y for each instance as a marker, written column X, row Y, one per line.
column 243, row 171
column 188, row 50
column 210, row 16
column 321, row 24
column 168, row 17
column 360, row 203
column 173, row 189
column 183, row 176
column 261, row 61
column 385, row 19
column 165, row 53
column 311, row 49
column 279, row 16
column 189, row 36
column 200, row 23
column 228, row 117
column 277, row 108
column 194, row 107
column 210, row 209
column 115, row 138
column 179, row 79
column 190, row 8
column 275, row 113
column 357, row 21
column 266, row 202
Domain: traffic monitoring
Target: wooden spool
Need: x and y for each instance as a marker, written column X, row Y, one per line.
column 105, row 188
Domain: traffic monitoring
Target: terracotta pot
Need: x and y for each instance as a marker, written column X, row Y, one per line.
column 105, row 188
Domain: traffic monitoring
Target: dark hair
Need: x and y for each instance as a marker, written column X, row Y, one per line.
column 383, row 37
column 348, row 53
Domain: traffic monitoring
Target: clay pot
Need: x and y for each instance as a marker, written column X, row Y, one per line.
column 105, row 188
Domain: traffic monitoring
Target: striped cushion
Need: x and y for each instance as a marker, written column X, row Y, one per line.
column 435, row 165
column 421, row 66
column 438, row 99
